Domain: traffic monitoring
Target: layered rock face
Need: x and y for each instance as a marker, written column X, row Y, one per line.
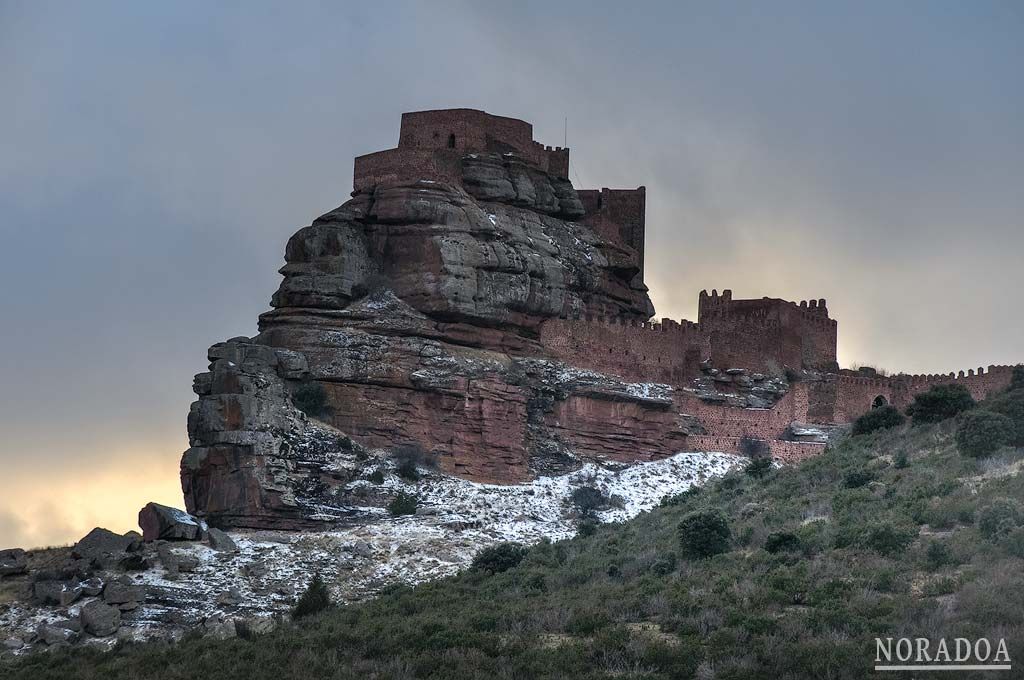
column 412, row 313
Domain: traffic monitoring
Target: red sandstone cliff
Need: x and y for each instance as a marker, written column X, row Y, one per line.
column 468, row 302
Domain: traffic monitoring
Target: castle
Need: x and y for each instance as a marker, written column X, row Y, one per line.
column 766, row 336
column 469, row 302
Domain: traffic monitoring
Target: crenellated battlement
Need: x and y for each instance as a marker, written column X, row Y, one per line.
column 768, row 332
column 431, row 144
column 664, row 325
column 993, row 370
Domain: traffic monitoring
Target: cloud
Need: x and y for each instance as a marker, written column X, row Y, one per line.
column 157, row 158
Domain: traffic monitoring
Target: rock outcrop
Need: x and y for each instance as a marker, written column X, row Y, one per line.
column 410, row 317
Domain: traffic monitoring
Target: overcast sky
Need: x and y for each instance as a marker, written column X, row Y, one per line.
column 155, row 157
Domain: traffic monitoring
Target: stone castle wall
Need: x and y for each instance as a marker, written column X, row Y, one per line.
column 667, row 352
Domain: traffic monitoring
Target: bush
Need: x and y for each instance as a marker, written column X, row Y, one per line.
column 311, row 399
column 377, row 476
column 498, row 558
column 982, row 433
column 888, row 539
column 664, row 565
column 1011, row 405
column 316, row 599
column 900, row 460
column 940, row 403
column 403, row 504
column 759, row 467
column 881, row 418
column 588, row 500
column 782, row 541
column 408, row 458
column 1017, row 381
column 587, row 527
column 937, row 555
column 857, row 478
column 704, row 533
column 1000, row 516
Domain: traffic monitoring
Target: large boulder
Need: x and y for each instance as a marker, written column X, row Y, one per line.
column 123, row 591
column 100, row 619
column 103, row 548
column 13, row 562
column 162, row 522
column 220, row 541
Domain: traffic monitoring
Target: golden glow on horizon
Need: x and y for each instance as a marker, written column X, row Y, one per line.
column 109, row 495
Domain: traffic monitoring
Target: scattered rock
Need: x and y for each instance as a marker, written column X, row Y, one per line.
column 220, row 541
column 103, row 547
column 230, row 597
column 123, row 591
column 100, row 619
column 70, row 593
column 48, row 592
column 56, row 635
column 169, row 524
column 92, row 587
column 360, row 548
column 13, row 562
column 12, row 644
column 220, row 627
column 257, row 625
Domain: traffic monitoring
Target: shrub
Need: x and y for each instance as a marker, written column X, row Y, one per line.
column 1011, row 405
column 857, row 478
column 939, row 403
column 588, row 500
column 704, row 533
column 982, row 433
column 759, row 467
column 1017, row 381
column 500, row 557
column 316, row 599
column 782, row 541
column 377, row 476
column 408, row 458
column 900, row 460
column 937, row 555
column 587, row 527
column 403, row 504
column 999, row 516
column 311, row 399
column 887, row 539
column 881, row 418
column 1013, row 542
column 664, row 565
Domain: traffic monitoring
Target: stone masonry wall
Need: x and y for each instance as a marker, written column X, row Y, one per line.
column 667, row 352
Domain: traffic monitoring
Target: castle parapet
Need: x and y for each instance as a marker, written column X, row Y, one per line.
column 430, row 144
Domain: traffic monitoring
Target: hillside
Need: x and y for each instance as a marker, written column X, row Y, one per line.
column 889, row 534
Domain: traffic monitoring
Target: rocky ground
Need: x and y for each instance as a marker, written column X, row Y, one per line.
column 181, row 575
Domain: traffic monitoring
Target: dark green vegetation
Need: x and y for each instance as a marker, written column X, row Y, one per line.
column 940, row 403
column 982, row 433
column 311, row 399
column 704, row 533
column 880, row 418
column 888, row 534
column 403, row 504
column 500, row 557
column 314, row 600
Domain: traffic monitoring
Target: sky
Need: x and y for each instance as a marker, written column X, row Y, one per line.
column 155, row 158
